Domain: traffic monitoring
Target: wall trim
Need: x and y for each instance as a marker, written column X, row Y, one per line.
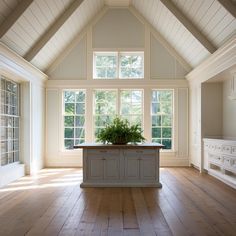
column 219, row 61
column 12, row 63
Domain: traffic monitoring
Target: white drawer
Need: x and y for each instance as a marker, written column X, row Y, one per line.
column 226, row 149
column 227, row 161
column 131, row 152
column 216, row 159
column 104, row 151
column 218, row 148
column 234, row 150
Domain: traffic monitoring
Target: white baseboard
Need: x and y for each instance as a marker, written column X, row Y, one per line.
column 10, row 173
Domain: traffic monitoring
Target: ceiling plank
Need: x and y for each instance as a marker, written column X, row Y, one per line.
column 14, row 16
column 190, row 26
column 229, row 6
column 52, row 30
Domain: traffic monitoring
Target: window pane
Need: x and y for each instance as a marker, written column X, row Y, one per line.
column 156, row 132
column 69, row 108
column 131, row 65
column 79, row 133
column 69, row 133
column 69, row 143
column 156, row 120
column 69, row 121
column 156, row 108
column 79, row 121
column 166, row 132
column 166, row 121
column 167, row 143
column 69, row 96
column 80, row 96
column 80, row 108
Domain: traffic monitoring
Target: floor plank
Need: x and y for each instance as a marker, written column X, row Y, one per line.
column 52, row 203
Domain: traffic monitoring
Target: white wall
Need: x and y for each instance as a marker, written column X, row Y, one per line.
column 117, row 29
column 229, row 113
column 73, row 66
column 163, row 64
column 211, row 110
column 32, row 119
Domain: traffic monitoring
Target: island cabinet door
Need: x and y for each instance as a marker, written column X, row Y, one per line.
column 132, row 168
column 95, row 168
column 112, row 168
column 147, row 168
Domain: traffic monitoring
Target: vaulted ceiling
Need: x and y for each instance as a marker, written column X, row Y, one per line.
column 39, row 30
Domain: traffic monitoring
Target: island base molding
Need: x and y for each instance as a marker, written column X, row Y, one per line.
column 123, row 185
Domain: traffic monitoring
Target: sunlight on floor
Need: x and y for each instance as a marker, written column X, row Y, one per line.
column 55, row 176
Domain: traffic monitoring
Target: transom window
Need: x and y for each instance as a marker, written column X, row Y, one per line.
column 9, row 122
column 162, row 117
column 123, row 65
column 74, row 118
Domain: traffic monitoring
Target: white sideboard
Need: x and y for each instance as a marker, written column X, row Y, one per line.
column 220, row 159
column 120, row 165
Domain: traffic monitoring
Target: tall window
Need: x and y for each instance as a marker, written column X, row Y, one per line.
column 123, row 65
column 74, row 118
column 9, row 122
column 162, row 117
column 131, row 105
column 105, row 108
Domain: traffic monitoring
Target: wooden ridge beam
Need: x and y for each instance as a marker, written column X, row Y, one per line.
column 14, row 16
column 52, row 30
column 189, row 25
column 229, row 6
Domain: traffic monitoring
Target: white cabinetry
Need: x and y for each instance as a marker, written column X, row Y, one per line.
column 123, row 165
column 220, row 159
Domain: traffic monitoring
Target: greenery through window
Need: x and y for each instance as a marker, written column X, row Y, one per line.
column 105, row 108
column 9, row 116
column 162, row 117
column 131, row 106
column 124, row 65
column 74, row 118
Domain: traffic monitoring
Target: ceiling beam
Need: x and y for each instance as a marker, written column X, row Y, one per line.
column 52, row 30
column 229, row 6
column 14, row 16
column 189, row 25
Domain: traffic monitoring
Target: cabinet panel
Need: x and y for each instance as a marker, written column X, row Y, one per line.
column 132, row 168
column 95, row 168
column 147, row 168
column 112, row 168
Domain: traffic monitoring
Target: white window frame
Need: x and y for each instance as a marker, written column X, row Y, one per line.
column 173, row 118
column 118, row 61
column 63, row 116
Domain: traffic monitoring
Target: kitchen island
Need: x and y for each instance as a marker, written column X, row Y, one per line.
column 106, row 165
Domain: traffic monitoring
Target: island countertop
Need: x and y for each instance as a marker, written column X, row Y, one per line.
column 124, row 146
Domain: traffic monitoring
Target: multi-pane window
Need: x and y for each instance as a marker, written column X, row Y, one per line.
column 162, row 117
column 123, row 65
column 131, row 106
column 105, row 108
column 74, row 118
column 9, row 115
column 131, row 65
column 105, row 65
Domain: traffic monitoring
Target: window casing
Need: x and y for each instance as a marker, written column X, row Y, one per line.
column 122, row 65
column 162, row 117
column 10, row 120
column 74, row 117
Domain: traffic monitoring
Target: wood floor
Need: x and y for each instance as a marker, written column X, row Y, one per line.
column 52, row 203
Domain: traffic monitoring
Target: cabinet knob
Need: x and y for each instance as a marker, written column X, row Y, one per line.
column 103, row 159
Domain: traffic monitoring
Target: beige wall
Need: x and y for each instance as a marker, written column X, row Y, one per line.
column 229, row 113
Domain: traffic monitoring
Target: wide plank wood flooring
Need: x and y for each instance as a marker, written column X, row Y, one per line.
column 52, row 203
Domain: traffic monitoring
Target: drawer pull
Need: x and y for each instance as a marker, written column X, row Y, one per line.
column 103, row 159
column 139, row 151
column 103, row 151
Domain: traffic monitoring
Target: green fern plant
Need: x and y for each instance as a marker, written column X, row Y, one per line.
column 121, row 132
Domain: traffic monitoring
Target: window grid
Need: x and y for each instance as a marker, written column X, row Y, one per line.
column 123, row 68
column 9, row 116
column 74, row 118
column 162, row 117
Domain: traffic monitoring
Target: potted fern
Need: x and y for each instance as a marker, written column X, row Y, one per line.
column 121, row 132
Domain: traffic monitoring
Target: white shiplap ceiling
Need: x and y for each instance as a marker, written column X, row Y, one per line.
column 209, row 17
